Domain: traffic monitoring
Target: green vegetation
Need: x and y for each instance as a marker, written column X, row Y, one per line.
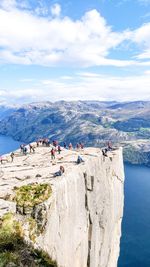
column 31, row 195
column 10, row 233
column 44, row 259
column 13, row 249
column 33, row 231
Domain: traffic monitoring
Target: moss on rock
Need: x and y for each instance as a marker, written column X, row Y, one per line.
column 33, row 194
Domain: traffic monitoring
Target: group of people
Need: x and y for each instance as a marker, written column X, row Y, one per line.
column 62, row 169
column 23, row 149
column 56, row 148
column 70, row 146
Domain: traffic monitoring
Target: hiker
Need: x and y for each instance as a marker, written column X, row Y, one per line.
column 60, row 172
column 70, row 146
column 21, row 148
column 12, row 156
column 77, row 146
column 79, row 160
column 25, row 150
column 81, row 145
column 65, row 146
column 59, row 149
column 44, row 142
column 47, row 142
column 55, row 143
column 1, row 159
column 37, row 143
column 32, row 149
column 109, row 145
column 104, row 152
column 52, row 153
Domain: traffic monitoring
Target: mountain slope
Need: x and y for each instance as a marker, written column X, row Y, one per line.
column 90, row 122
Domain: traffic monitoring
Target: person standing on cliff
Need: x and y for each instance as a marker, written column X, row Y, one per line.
column 70, row 146
column 52, row 154
column 65, row 146
column 12, row 156
column 59, row 149
column 81, row 145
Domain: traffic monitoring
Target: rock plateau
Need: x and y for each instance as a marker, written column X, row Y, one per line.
column 79, row 224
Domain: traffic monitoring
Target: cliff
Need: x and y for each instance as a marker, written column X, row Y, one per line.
column 126, row 124
column 77, row 219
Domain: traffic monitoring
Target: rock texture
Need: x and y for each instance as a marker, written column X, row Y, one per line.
column 81, row 221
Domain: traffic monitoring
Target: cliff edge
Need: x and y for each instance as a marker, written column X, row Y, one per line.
column 77, row 217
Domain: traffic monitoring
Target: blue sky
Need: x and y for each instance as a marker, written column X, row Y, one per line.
column 52, row 50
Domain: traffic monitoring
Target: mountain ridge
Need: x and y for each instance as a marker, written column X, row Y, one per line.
column 91, row 122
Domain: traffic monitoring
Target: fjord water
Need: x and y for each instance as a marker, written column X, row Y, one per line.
column 135, row 242
column 7, row 144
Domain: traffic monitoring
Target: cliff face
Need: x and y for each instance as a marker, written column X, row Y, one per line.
column 81, row 220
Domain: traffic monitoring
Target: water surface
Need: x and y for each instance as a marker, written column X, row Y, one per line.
column 7, row 144
column 135, row 242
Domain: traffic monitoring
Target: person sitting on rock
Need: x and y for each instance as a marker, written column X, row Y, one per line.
column 3, row 159
column 60, row 172
column 104, row 152
column 79, row 160
column 109, row 145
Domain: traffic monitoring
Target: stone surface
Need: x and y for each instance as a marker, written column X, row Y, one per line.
column 82, row 227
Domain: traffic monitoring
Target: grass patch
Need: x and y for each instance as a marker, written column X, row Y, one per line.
column 14, row 250
column 31, row 195
column 10, row 233
column 44, row 259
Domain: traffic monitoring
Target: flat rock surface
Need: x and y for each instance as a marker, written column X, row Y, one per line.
column 37, row 167
column 82, row 218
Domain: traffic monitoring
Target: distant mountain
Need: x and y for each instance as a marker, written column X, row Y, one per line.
column 91, row 122
column 5, row 111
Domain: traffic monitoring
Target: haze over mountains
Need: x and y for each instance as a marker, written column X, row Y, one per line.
column 90, row 122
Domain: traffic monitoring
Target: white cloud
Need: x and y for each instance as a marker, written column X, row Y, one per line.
column 12, row 4
column 8, row 4
column 32, row 38
column 29, row 39
column 141, row 37
column 83, row 86
column 56, row 10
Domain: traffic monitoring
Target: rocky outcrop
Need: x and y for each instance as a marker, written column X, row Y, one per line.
column 126, row 124
column 79, row 225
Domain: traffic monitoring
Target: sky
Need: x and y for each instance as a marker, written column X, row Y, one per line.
column 74, row 49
